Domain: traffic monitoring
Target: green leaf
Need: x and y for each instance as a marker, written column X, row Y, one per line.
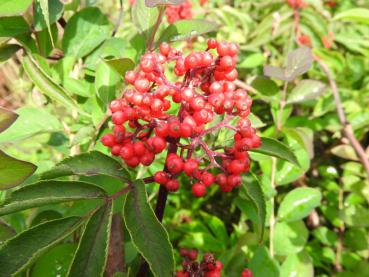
column 49, row 192
column 78, row 87
column 356, row 238
column 153, row 3
column 45, row 43
column 356, row 216
column 359, row 15
column 13, row 172
column 263, row 265
column 6, row 231
column 298, row 265
column 272, row 147
column 345, row 151
column 88, row 164
column 92, row 252
column 299, row 203
column 251, row 61
column 254, row 193
column 265, row 86
column 45, row 84
column 306, row 90
column 217, row 227
column 7, row 118
column 107, row 82
column 85, row 30
column 31, row 121
column 13, row 26
column 121, row 65
column 19, row 252
column 46, row 13
column 289, row 237
column 7, row 51
column 148, row 235
column 54, row 262
column 143, row 17
column 186, row 29
column 11, row 7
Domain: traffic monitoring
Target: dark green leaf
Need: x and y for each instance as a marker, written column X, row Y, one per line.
column 54, row 262
column 31, row 121
column 148, row 235
column 262, row 265
column 289, row 238
column 299, row 203
column 88, row 164
column 46, row 13
column 265, row 86
column 13, row 26
column 306, row 90
column 13, row 172
column 7, row 118
column 11, row 7
column 6, row 231
column 19, row 252
column 45, row 84
column 254, row 193
column 121, row 65
column 49, row 192
column 107, row 82
column 272, row 147
column 92, row 252
column 153, row 3
column 86, row 30
column 7, row 51
column 217, row 227
column 143, row 17
column 187, row 29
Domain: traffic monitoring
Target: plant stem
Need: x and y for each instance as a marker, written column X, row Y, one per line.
column 347, row 128
column 150, row 42
column 272, row 216
column 281, row 107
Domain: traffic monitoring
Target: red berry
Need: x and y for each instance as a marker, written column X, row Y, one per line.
column 207, row 178
column 198, row 190
column 192, row 254
column 161, row 177
column 108, row 140
column 191, row 61
column 118, row 118
column 246, row 273
column 164, row 48
column 158, row 144
column 172, row 185
column 174, row 129
column 162, row 130
column 175, row 165
column 212, row 43
column 127, row 152
column 147, row 158
column 130, row 76
column 190, row 166
column 236, row 167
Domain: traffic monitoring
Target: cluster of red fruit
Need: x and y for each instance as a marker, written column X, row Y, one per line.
column 178, row 12
column 207, row 267
column 144, row 125
column 296, row 4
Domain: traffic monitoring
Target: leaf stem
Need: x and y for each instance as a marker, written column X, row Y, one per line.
column 150, row 42
column 272, row 216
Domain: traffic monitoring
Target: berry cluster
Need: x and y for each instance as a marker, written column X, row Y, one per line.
column 144, row 125
column 296, row 4
column 207, row 267
column 305, row 40
column 178, row 12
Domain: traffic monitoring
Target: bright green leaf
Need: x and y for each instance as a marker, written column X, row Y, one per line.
column 298, row 265
column 252, row 61
column 20, row 251
column 143, row 17
column 49, row 192
column 148, row 235
column 289, row 237
column 13, row 172
column 88, row 164
column 299, row 203
column 359, row 15
column 263, row 265
column 11, row 7
column 92, row 252
column 107, row 82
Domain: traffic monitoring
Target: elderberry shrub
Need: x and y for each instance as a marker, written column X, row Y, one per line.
column 179, row 12
column 144, row 126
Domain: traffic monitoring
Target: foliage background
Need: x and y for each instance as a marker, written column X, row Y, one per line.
column 320, row 208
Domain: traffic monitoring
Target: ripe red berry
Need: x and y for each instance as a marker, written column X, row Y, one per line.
column 147, row 158
column 246, row 273
column 108, row 140
column 212, row 43
column 207, row 178
column 131, row 76
column 191, row 61
column 192, row 254
column 174, row 129
column 161, row 177
column 198, row 190
column 127, row 152
column 172, row 185
column 158, row 144
column 190, row 166
column 174, row 165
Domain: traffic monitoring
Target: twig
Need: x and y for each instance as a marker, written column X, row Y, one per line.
column 245, row 86
column 98, row 129
column 119, row 19
column 150, row 42
column 281, row 106
column 347, row 128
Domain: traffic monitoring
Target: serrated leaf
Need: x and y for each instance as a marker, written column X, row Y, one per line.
column 7, row 118
column 45, row 84
column 7, row 51
column 107, row 82
column 254, row 193
column 88, row 164
column 187, row 29
column 306, row 90
column 30, row 121
column 153, row 3
column 92, row 251
column 85, row 30
column 275, row 72
column 13, row 26
column 11, row 7
column 275, row 148
column 121, row 65
column 49, row 192
column 143, row 17
column 289, row 237
column 263, row 265
column 13, row 171
column 299, row 203
column 148, row 235
column 20, row 251
column 359, row 15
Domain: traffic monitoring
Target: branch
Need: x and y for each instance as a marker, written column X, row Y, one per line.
column 347, row 128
